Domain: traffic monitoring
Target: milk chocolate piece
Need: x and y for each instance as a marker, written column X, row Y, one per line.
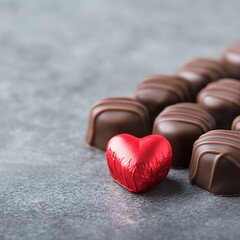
column 182, row 124
column 113, row 116
column 201, row 71
column 236, row 124
column 160, row 91
column 222, row 100
column 215, row 163
column 231, row 60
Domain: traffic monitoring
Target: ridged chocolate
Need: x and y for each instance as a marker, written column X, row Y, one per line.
column 201, row 71
column 182, row 124
column 160, row 91
column 236, row 124
column 214, row 66
column 113, row 116
column 222, row 100
column 231, row 59
column 215, row 163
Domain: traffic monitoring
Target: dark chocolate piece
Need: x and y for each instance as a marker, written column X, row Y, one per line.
column 182, row 124
column 231, row 60
column 201, row 71
column 215, row 164
column 222, row 100
column 158, row 92
column 236, row 124
column 213, row 66
column 113, row 116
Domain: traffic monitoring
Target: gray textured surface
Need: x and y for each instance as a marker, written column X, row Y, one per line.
column 56, row 59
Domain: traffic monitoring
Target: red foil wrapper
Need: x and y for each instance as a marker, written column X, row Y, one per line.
column 138, row 163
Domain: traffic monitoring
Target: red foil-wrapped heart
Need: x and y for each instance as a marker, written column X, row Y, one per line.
column 138, row 163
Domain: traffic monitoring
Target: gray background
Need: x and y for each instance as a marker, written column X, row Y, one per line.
column 56, row 59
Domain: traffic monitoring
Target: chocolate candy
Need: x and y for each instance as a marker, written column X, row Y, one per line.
column 201, row 71
column 157, row 92
column 113, row 116
column 222, row 100
column 236, row 124
column 215, row 164
column 231, row 59
column 214, row 67
column 182, row 124
column 138, row 163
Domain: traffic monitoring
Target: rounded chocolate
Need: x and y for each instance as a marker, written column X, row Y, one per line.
column 215, row 163
column 236, row 124
column 201, row 71
column 213, row 66
column 113, row 116
column 182, row 124
column 231, row 59
column 222, row 100
column 160, row 91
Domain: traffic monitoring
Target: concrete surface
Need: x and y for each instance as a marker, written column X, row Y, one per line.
column 56, row 59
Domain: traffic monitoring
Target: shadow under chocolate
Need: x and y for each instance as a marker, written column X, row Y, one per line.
column 168, row 187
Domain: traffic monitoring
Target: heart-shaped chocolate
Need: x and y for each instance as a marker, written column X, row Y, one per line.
column 138, row 163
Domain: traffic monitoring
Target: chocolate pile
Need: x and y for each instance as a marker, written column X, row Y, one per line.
column 185, row 107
